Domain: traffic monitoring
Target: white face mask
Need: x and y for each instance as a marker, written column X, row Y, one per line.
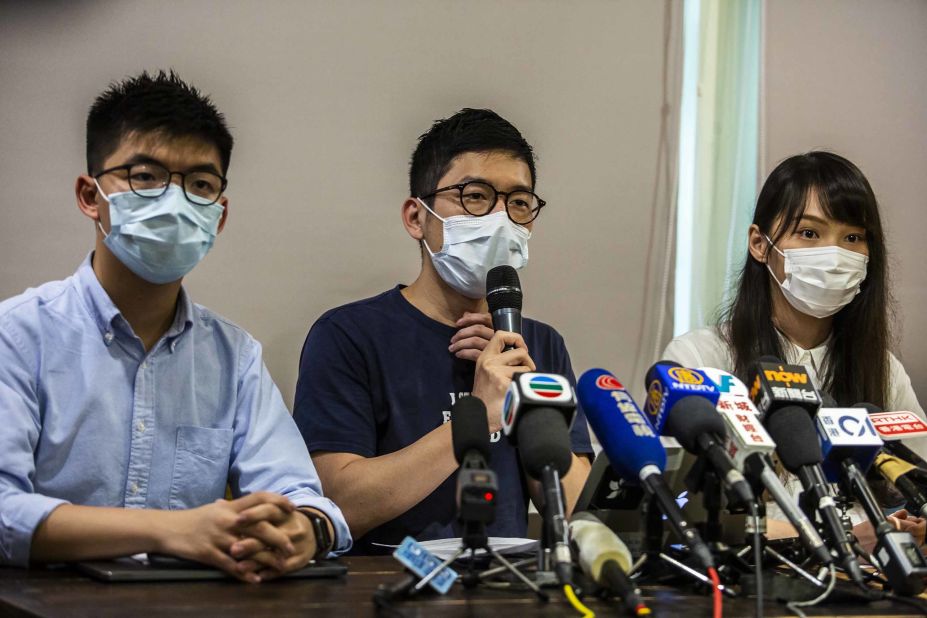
column 475, row 245
column 820, row 281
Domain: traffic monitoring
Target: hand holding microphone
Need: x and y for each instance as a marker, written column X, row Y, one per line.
column 504, row 297
column 495, row 368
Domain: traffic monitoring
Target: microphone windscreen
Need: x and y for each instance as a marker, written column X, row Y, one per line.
column 544, row 439
column 769, row 358
column 691, row 417
column 503, row 289
column 796, row 438
column 469, row 428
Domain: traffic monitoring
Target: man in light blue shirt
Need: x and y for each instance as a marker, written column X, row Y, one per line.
column 125, row 408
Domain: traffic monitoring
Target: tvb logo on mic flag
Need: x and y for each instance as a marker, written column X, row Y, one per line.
column 545, row 387
column 534, row 389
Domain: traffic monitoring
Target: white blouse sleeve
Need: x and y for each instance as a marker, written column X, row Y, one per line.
column 699, row 348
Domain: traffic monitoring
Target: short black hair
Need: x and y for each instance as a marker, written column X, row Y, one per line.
column 469, row 130
column 163, row 104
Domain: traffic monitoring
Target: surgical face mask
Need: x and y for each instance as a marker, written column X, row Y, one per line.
column 474, row 245
column 820, row 281
column 160, row 239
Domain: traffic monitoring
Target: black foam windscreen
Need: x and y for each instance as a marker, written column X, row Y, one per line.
column 769, row 358
column 796, row 438
column 544, row 439
column 503, row 289
column 870, row 408
column 691, row 417
column 469, row 428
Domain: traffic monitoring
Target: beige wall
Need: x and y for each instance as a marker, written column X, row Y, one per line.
column 849, row 76
column 326, row 100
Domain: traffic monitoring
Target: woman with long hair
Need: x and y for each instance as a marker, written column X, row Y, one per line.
column 813, row 290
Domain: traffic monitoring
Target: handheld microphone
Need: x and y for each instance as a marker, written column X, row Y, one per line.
column 849, row 444
column 634, row 449
column 604, row 558
column 477, row 487
column 907, row 479
column 682, row 403
column 504, row 297
column 536, row 415
column 800, row 452
column 750, row 446
column 775, row 385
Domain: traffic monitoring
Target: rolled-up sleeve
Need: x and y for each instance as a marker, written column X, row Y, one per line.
column 21, row 509
column 269, row 453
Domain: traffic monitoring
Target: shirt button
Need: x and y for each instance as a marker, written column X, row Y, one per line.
column 140, row 426
column 145, row 365
column 173, row 344
column 133, row 488
column 108, row 337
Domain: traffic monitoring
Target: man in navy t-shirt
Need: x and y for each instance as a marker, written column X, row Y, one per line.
column 378, row 377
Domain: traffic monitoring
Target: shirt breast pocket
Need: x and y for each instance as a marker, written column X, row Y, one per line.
column 201, row 466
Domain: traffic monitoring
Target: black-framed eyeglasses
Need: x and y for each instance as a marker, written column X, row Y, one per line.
column 479, row 198
column 151, row 180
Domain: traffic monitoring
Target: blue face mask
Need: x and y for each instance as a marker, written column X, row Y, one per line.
column 160, row 239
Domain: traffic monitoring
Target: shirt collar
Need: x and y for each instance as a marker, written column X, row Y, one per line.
column 104, row 312
column 794, row 353
column 95, row 297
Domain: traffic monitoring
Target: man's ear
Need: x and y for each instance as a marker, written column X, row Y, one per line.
column 224, row 202
column 757, row 244
column 88, row 197
column 413, row 218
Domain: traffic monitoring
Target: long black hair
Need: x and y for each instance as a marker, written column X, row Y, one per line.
column 857, row 362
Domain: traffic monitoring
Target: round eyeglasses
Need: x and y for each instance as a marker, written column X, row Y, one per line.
column 151, row 180
column 479, row 198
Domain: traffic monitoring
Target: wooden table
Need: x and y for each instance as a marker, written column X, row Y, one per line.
column 64, row 592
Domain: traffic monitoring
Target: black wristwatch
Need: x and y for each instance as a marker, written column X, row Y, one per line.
column 323, row 540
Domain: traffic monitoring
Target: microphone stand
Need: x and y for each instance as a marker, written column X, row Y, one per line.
column 473, row 537
column 554, row 558
column 654, row 564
